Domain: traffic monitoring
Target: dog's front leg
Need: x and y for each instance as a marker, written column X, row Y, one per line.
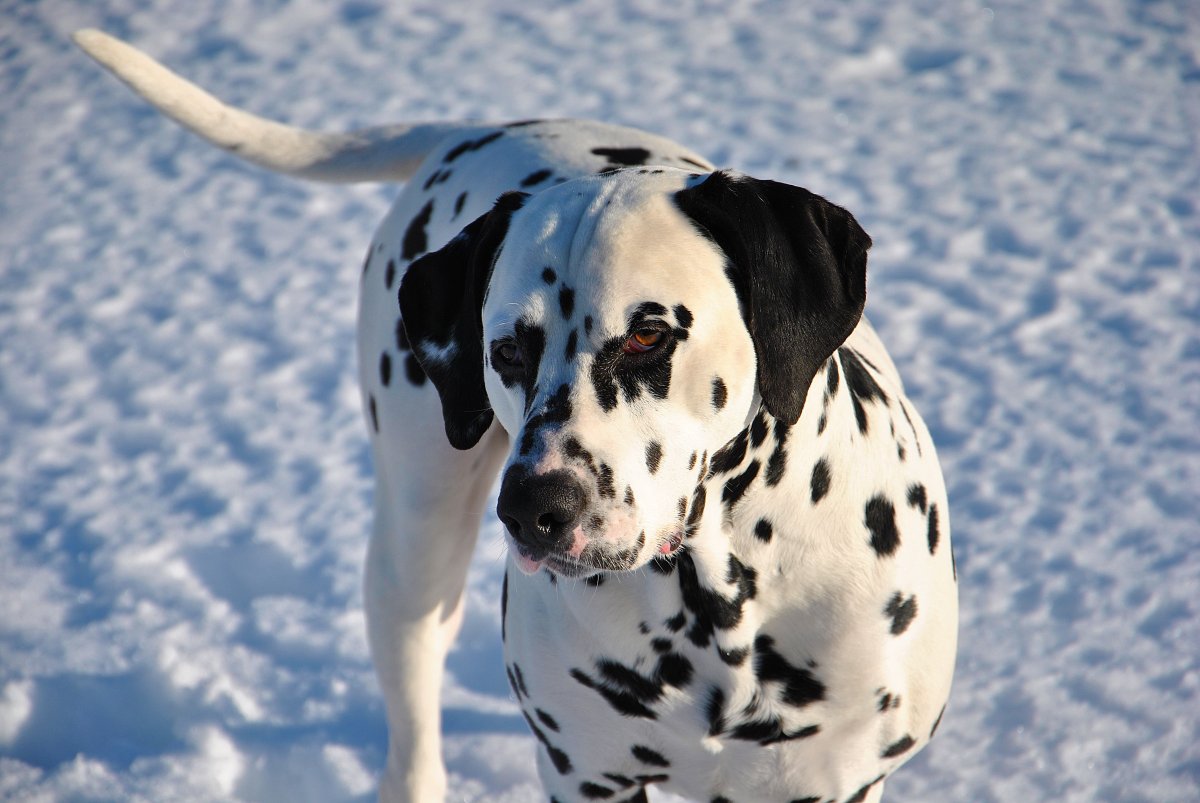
column 429, row 502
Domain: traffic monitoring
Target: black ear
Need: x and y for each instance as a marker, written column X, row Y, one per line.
column 441, row 302
column 799, row 265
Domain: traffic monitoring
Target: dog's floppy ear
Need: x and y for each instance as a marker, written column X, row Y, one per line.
column 799, row 265
column 441, row 303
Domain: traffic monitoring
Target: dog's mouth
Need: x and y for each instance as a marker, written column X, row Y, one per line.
column 672, row 544
column 591, row 559
column 564, row 565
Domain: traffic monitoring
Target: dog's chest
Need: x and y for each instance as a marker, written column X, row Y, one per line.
column 708, row 656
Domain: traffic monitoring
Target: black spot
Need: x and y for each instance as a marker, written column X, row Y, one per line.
column 770, row 731
column 623, row 156
column 660, row 644
column 536, row 177
column 389, row 275
column 458, row 204
column 831, row 380
column 621, row 700
column 932, row 534
column 413, row 371
column 731, row 455
column 647, row 309
column 653, row 456
column 629, row 691
column 735, row 487
column 902, row 611
column 385, row 369
column 911, row 426
column 690, row 161
column 566, row 301
column 764, row 531
column 520, row 680
column 759, row 429
column 777, row 464
column 734, row 657
column 628, row 496
column 692, row 461
column 674, row 670
column 471, row 145
column 561, row 761
column 549, row 276
column 720, row 395
column 899, row 747
column 714, row 711
column 800, row 686
column 532, row 340
column 587, row 324
column 512, row 681
column 676, row 622
column 620, row 780
column 805, row 800
column 415, row 242
column 885, row 702
column 937, row 722
column 683, row 316
column 438, row 177
column 374, row 413
column 916, row 496
column 863, row 387
column 861, row 794
column 604, row 482
column 504, row 607
column 594, row 791
column 699, row 498
column 572, row 346
column 820, row 480
column 880, row 518
column 648, row 756
column 546, row 719
column 711, row 609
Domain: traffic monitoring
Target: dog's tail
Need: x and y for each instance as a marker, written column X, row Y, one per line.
column 387, row 153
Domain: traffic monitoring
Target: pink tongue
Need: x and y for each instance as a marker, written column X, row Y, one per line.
column 526, row 565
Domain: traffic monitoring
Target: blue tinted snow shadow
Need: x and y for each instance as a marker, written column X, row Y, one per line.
column 114, row 718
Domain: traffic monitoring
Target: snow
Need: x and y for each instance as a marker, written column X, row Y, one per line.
column 184, row 482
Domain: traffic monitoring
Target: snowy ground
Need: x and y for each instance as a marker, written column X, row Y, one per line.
column 184, row 482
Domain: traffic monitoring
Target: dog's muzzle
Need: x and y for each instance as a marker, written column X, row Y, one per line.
column 540, row 511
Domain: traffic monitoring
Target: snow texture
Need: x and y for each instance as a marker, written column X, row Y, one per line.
column 184, row 479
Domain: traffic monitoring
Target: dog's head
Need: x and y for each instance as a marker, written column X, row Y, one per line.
column 622, row 329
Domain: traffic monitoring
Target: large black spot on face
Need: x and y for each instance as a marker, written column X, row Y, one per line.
column 634, row 374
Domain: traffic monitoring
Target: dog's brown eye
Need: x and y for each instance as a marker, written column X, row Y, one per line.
column 506, row 355
column 643, row 340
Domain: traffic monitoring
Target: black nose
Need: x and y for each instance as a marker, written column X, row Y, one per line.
column 540, row 510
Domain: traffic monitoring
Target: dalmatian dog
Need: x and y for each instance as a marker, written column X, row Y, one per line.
column 729, row 571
